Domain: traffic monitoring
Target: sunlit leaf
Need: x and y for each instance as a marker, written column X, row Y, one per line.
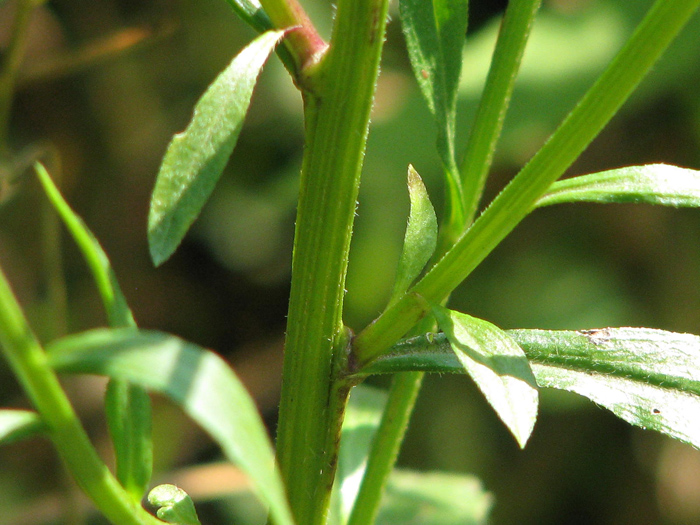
column 651, row 184
column 198, row 380
column 174, row 505
column 16, row 425
column 421, row 236
column 497, row 365
column 128, row 407
column 649, row 378
column 362, row 418
column 196, row 157
column 251, row 13
column 435, row 33
column 435, row 498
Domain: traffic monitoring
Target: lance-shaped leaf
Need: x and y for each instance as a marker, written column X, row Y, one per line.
column 651, row 184
column 435, row 32
column 128, row 407
column 649, row 378
column 174, row 505
column 497, row 365
column 421, row 236
column 252, row 13
column 196, row 379
column 437, row 498
column 16, row 425
column 196, row 157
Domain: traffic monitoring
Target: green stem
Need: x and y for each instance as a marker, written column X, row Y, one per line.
column 386, row 445
column 30, row 364
column 663, row 22
column 337, row 119
column 478, row 157
column 14, row 53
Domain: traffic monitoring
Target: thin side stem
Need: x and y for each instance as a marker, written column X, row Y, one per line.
column 386, row 445
column 30, row 364
column 337, row 119
column 481, row 145
column 660, row 26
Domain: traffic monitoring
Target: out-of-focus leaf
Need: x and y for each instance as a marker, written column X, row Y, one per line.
column 198, row 380
column 497, row 365
column 437, row 498
column 128, row 407
column 16, row 425
column 649, row 378
column 362, row 418
column 196, row 157
column 650, row 184
column 174, row 505
column 421, row 236
column 435, row 32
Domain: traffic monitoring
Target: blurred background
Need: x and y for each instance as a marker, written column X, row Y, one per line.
column 105, row 85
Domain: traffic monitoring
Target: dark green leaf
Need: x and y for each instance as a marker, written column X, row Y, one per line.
column 497, row 365
column 16, row 425
column 175, row 506
column 421, row 236
column 251, row 13
column 362, row 418
column 198, row 380
column 196, row 158
column 435, row 32
column 649, row 378
column 127, row 406
column 434, row 498
column 651, row 184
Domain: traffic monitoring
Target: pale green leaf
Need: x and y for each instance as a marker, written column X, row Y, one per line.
column 16, row 425
column 435, row 498
column 649, row 378
column 174, row 505
column 196, row 379
column 497, row 365
column 650, row 184
column 362, row 418
column 421, row 236
column 196, row 157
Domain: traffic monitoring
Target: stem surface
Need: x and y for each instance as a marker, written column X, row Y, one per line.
column 337, row 119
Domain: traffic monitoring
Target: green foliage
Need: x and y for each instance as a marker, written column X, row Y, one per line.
column 497, row 365
column 16, row 425
column 196, row 158
column 198, row 380
column 175, row 506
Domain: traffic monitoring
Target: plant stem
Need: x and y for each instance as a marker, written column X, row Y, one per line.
column 661, row 24
column 512, row 38
column 337, row 118
column 30, row 364
column 386, row 445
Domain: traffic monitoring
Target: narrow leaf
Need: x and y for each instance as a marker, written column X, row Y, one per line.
column 649, row 378
column 128, row 407
column 16, row 425
column 198, row 380
column 251, row 13
column 650, row 184
column 175, row 506
column 196, row 158
column 437, row 498
column 421, row 236
column 497, row 365
column 362, row 418
column 435, row 32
